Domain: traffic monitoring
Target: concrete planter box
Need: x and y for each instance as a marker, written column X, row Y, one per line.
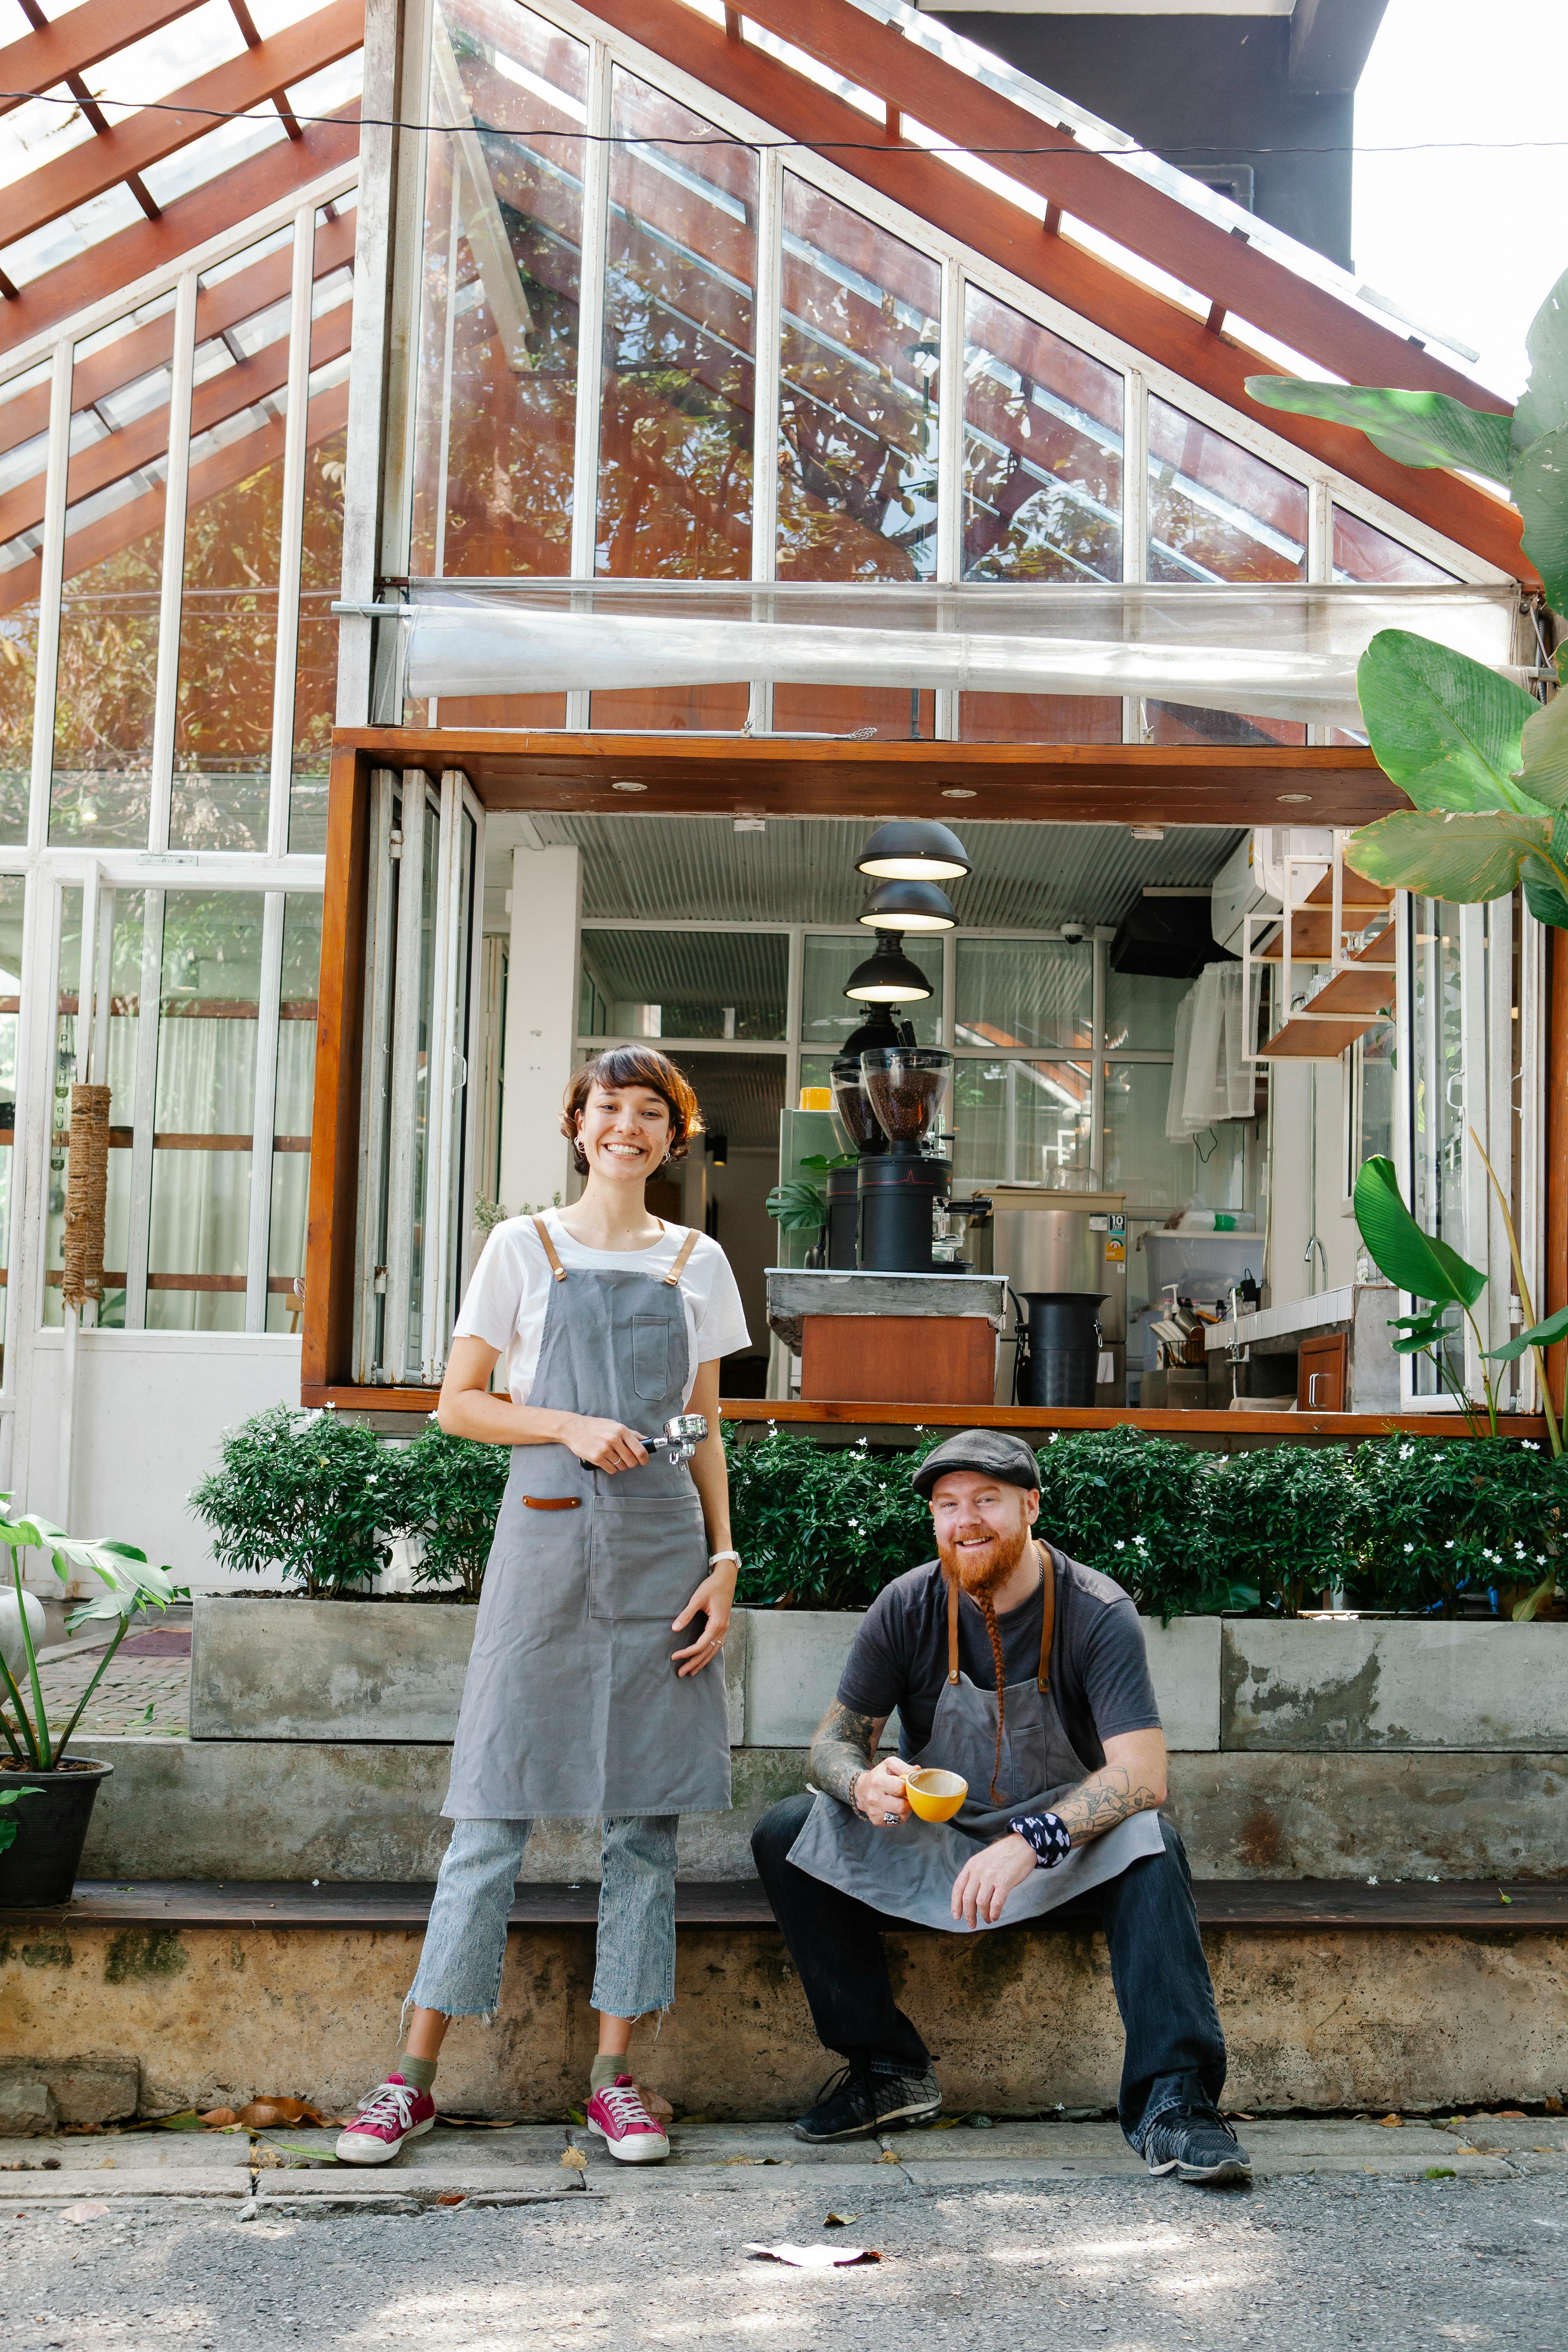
column 1393, row 1684
column 386, row 1671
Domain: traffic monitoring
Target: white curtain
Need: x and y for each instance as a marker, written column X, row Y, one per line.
column 1211, row 1080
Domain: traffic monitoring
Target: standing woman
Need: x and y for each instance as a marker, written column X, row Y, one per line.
column 578, row 1702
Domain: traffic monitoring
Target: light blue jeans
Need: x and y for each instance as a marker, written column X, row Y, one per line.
column 465, row 1943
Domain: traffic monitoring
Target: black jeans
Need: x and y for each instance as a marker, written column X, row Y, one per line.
column 1174, row 2057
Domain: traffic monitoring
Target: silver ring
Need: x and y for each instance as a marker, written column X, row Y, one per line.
column 888, row 1820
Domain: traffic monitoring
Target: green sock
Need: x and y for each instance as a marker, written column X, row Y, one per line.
column 418, row 2071
column 605, row 2069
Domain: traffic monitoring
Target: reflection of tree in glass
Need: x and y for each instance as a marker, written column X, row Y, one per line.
column 105, row 694
column 228, row 642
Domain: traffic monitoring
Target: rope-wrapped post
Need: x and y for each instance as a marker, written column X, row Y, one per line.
column 87, row 1190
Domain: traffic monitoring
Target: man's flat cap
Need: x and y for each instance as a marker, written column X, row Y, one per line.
column 994, row 1453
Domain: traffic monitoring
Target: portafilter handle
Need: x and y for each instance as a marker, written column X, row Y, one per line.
column 683, row 1436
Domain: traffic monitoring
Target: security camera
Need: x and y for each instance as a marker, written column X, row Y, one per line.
column 1073, row 931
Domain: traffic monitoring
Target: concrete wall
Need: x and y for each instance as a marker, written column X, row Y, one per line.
column 1019, row 2021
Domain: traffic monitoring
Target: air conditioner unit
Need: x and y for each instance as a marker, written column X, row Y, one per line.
column 1252, row 879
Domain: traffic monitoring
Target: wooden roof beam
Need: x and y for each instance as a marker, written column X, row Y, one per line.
column 253, row 80
column 45, row 59
column 220, row 204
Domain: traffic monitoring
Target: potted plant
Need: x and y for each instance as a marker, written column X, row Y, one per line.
column 306, row 1493
column 447, row 1491
column 41, row 1844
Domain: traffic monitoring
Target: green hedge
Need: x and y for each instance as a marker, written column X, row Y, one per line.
column 1412, row 1523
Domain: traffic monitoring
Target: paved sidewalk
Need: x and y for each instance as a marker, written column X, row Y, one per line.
column 146, row 1691
column 1037, row 2238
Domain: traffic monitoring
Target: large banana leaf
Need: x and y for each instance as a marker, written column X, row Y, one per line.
column 1545, row 745
column 1540, row 491
column 1412, row 1261
column 1417, row 428
column 1541, row 1335
column 1461, row 857
column 1544, row 403
column 1443, row 727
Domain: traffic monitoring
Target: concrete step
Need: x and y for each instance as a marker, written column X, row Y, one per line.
column 1333, row 1997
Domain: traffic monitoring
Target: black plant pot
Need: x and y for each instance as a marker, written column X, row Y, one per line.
column 51, row 1829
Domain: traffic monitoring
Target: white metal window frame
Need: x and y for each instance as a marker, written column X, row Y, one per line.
column 960, row 269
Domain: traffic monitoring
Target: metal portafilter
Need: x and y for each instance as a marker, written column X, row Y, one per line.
column 683, row 1436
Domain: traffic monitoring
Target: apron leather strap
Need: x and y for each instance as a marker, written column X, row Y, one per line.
column 552, row 1502
column 672, row 1279
column 1048, row 1609
column 1048, row 1617
column 548, row 1246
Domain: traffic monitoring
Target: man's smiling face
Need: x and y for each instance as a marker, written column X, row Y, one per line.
column 982, row 1525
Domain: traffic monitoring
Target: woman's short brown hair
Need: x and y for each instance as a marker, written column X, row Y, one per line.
column 631, row 1065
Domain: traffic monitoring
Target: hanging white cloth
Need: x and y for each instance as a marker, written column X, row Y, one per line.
column 1211, row 1078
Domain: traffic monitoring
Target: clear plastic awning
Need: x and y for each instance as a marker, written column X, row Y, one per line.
column 1278, row 651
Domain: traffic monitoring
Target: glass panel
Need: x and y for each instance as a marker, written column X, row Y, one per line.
column 893, row 713
column 683, row 984
column 12, row 902
column 1042, row 452
column 292, row 1112
column 1216, row 512
column 68, row 975
column 679, row 396
column 1362, row 552
column 497, row 401
column 1154, row 1173
column 1012, row 992
column 827, row 1016
column 1438, row 1101
column 24, row 448
column 425, row 1014
column 234, row 519
column 857, row 416
column 1140, row 1011
column 1374, row 1064
column 204, row 1109
column 1039, row 719
column 321, row 528
column 112, row 580
column 1021, row 1122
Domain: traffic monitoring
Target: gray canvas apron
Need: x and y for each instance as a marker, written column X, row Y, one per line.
column 571, row 1706
column 909, row 1870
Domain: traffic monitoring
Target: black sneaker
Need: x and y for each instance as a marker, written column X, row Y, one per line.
column 1195, row 2147
column 859, row 2101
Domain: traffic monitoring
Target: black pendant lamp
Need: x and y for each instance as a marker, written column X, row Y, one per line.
column 914, row 849
column 888, row 977
column 906, row 905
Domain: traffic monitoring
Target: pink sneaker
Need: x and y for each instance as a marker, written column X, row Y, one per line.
column 394, row 2113
column 625, row 2125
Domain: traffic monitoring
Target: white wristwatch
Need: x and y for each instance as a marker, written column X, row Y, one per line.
column 715, row 1557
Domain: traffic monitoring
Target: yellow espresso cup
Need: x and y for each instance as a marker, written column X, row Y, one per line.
column 936, row 1796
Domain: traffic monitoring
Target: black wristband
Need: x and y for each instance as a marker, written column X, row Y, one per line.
column 1044, row 1832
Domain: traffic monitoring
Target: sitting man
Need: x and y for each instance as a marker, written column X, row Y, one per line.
column 1025, row 1672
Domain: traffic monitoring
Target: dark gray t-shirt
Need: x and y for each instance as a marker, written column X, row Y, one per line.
column 1100, row 1670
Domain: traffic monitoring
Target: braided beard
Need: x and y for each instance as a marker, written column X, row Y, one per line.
column 979, row 1573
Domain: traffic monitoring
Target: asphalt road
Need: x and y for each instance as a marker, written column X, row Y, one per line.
column 1123, row 2265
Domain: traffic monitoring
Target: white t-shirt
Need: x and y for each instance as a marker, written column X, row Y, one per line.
column 511, row 1284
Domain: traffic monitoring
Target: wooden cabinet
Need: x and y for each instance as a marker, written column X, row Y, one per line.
column 1321, row 1373
column 898, row 1360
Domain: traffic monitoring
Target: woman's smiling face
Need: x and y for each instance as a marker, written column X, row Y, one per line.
column 623, row 1133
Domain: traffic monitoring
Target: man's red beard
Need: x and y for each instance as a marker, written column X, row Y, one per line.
column 980, row 1571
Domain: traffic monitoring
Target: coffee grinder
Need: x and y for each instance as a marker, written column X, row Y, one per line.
column 900, row 1187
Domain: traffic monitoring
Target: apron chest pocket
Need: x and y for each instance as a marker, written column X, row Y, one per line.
column 650, row 1357
column 646, row 1557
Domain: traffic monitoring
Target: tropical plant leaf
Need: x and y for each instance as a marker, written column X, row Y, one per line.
column 1412, row 1261
column 1540, row 491
column 1443, row 727
column 798, row 1208
column 1465, row 859
column 1428, row 1329
column 1543, row 896
column 1544, row 403
column 1541, row 1335
column 1545, row 748
column 1417, row 428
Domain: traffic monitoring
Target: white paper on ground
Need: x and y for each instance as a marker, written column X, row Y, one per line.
column 816, row 2258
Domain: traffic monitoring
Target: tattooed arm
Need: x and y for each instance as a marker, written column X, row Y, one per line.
column 1130, row 1780
column 841, row 1763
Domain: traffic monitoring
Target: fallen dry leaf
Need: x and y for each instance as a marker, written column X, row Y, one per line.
column 889, row 2155
column 218, row 2119
column 574, row 2160
column 89, row 2212
column 816, row 2258
column 1392, row 2123
column 453, row 2197
column 266, row 2160
column 1511, row 2115
column 266, row 2115
column 840, row 2220
column 660, row 2109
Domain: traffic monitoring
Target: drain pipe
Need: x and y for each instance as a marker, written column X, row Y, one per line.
column 87, row 983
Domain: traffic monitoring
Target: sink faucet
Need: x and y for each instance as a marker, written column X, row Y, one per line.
column 1315, row 1244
